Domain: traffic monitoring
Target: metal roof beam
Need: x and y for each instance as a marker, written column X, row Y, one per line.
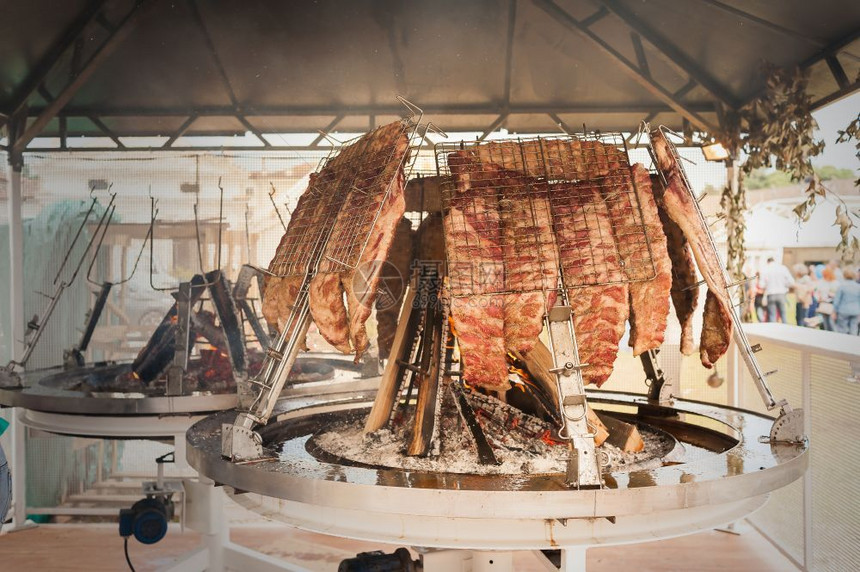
column 601, row 13
column 561, row 124
column 327, row 129
column 641, row 58
column 651, row 115
column 675, row 56
column 832, row 49
column 78, row 79
column 183, row 129
column 210, row 45
column 838, row 72
column 762, row 22
column 829, row 51
column 39, row 74
column 253, row 130
column 188, row 149
column 509, row 48
column 836, row 95
column 657, row 90
column 106, row 130
column 493, row 126
column 63, row 133
column 352, row 111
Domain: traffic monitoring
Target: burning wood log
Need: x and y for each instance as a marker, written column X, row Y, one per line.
column 389, row 385
column 623, row 435
column 538, row 362
column 429, row 381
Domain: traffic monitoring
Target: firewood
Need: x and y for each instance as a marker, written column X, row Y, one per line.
column 429, row 391
column 623, row 435
column 389, row 384
column 601, row 432
column 538, row 362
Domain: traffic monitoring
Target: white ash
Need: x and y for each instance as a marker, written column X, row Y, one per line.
column 457, row 454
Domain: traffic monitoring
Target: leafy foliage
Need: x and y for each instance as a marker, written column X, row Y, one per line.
column 852, row 132
column 777, row 130
column 734, row 205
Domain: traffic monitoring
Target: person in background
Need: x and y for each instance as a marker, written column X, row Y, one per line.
column 776, row 280
column 803, row 287
column 833, row 265
column 846, row 303
column 825, row 289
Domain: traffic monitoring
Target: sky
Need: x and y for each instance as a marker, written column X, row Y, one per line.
column 831, row 119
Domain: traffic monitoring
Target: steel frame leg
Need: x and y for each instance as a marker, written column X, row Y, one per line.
column 217, row 553
column 18, row 468
column 573, row 559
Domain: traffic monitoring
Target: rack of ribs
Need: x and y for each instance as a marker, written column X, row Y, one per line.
column 685, row 290
column 360, row 236
column 555, row 159
column 289, row 265
column 681, row 208
column 649, row 298
column 531, row 261
column 596, row 286
column 473, row 241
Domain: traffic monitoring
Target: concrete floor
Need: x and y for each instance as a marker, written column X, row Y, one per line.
column 97, row 548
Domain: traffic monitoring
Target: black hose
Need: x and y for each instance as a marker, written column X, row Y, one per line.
column 127, row 559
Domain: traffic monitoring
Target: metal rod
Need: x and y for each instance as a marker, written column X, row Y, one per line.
column 75, row 239
column 220, row 221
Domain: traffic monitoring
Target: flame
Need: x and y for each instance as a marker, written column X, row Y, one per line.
column 516, row 366
column 547, row 438
column 134, row 374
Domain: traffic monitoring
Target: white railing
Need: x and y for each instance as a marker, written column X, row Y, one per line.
column 815, row 521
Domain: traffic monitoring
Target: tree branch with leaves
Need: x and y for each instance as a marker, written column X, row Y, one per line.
column 777, row 130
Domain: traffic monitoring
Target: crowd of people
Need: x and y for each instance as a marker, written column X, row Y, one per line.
column 825, row 296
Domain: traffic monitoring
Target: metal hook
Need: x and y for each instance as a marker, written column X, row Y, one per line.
column 330, row 138
column 75, row 239
column 413, row 109
column 275, row 205
column 435, row 129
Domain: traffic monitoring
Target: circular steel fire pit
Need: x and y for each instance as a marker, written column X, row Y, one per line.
column 726, row 474
column 100, row 389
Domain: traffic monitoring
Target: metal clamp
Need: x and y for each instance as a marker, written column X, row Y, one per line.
column 568, row 368
column 240, row 443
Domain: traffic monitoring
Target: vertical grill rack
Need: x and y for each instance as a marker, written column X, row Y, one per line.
column 546, row 215
column 328, row 232
column 518, row 190
column 746, row 350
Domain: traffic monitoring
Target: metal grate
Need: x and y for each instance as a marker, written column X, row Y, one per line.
column 541, row 214
column 333, row 218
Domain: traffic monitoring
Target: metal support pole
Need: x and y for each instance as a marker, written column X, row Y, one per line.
column 18, row 462
column 218, row 535
column 18, row 467
column 492, row 561
column 573, row 559
column 806, row 392
column 16, row 259
column 734, row 375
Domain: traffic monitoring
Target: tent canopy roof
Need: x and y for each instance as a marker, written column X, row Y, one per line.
column 121, row 68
